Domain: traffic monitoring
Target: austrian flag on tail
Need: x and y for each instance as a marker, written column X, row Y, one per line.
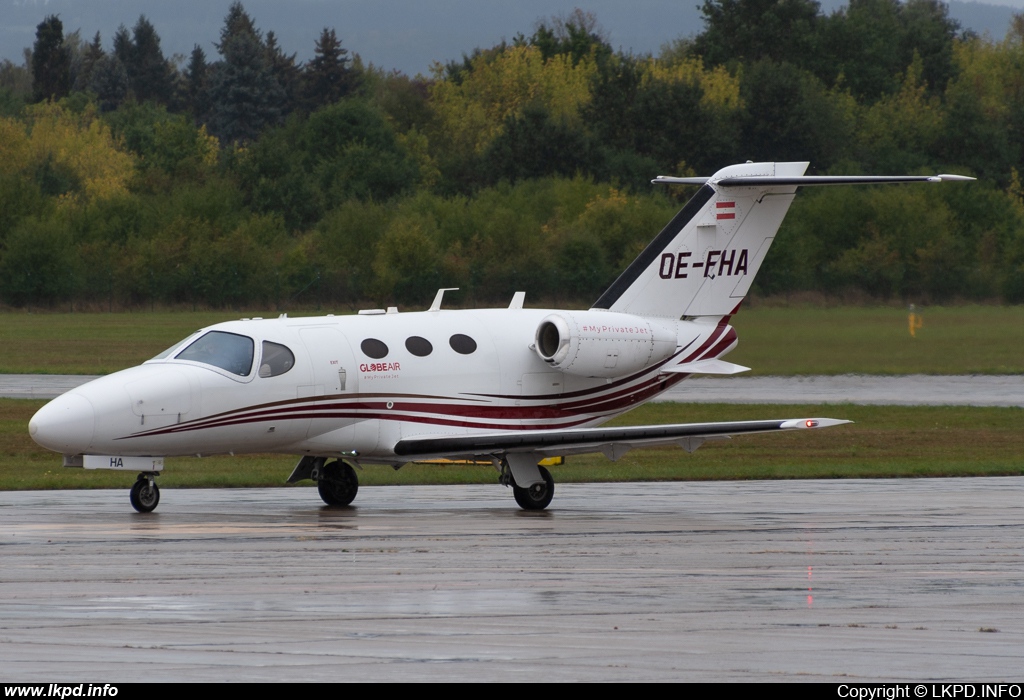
column 726, row 210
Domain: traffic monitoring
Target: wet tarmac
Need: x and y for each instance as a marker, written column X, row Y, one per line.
column 839, row 580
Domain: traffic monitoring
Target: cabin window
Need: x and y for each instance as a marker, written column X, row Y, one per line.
column 374, row 348
column 277, row 359
column 229, row 351
column 462, row 344
column 420, row 347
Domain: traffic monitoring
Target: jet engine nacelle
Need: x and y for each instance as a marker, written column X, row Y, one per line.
column 602, row 343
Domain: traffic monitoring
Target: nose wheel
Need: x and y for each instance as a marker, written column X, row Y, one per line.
column 337, row 483
column 145, row 494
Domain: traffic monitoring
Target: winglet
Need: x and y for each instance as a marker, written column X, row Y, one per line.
column 810, row 423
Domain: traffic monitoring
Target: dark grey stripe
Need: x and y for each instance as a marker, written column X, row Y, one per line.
column 479, row 445
column 655, row 248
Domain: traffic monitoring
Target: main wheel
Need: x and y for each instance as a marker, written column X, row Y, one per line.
column 338, row 483
column 538, row 496
column 145, row 495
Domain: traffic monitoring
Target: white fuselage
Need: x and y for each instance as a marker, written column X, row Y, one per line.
column 343, row 396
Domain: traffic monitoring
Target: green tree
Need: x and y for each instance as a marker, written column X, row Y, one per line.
column 407, row 262
column 872, row 42
column 244, row 94
column 577, row 36
column 164, row 141
column 51, row 61
column 15, row 85
column 791, row 115
column 286, row 72
column 747, row 31
column 196, row 85
column 91, row 55
column 311, row 165
column 902, row 132
column 38, row 264
column 149, row 73
column 109, row 82
column 328, row 77
column 534, row 145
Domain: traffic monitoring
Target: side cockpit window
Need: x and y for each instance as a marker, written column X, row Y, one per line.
column 277, row 359
column 229, row 351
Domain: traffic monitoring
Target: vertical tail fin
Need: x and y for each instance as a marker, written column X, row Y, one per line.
column 704, row 260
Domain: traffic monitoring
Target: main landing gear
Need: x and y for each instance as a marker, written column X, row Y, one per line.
column 337, row 483
column 522, row 468
column 538, row 496
column 145, row 494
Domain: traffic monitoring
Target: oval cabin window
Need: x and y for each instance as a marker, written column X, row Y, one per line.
column 462, row 344
column 374, row 348
column 420, row 347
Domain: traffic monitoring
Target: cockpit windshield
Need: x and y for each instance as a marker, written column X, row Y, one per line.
column 229, row 351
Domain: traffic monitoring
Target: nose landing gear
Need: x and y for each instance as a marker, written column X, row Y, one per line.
column 145, row 494
column 337, row 483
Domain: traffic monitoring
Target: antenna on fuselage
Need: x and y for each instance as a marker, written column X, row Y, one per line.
column 436, row 305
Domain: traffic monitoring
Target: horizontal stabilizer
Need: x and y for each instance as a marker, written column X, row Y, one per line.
column 706, row 367
column 808, row 180
column 588, row 440
column 669, row 180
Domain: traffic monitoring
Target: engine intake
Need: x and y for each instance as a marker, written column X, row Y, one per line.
column 602, row 343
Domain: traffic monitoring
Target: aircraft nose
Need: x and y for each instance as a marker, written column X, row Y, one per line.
column 65, row 425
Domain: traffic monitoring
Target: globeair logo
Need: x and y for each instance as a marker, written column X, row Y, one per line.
column 380, row 367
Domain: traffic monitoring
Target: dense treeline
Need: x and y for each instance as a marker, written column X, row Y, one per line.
column 127, row 178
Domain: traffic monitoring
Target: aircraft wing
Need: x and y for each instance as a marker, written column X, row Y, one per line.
column 614, row 442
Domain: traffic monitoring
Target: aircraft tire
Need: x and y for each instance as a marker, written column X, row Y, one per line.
column 145, row 495
column 538, row 496
column 338, row 483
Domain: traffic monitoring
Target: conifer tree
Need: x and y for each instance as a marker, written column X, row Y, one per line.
column 328, row 76
column 286, row 72
column 109, row 80
column 90, row 57
column 123, row 48
column 197, row 85
column 149, row 72
column 51, row 61
column 244, row 94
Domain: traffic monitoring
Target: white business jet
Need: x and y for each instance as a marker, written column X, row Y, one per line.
column 511, row 386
